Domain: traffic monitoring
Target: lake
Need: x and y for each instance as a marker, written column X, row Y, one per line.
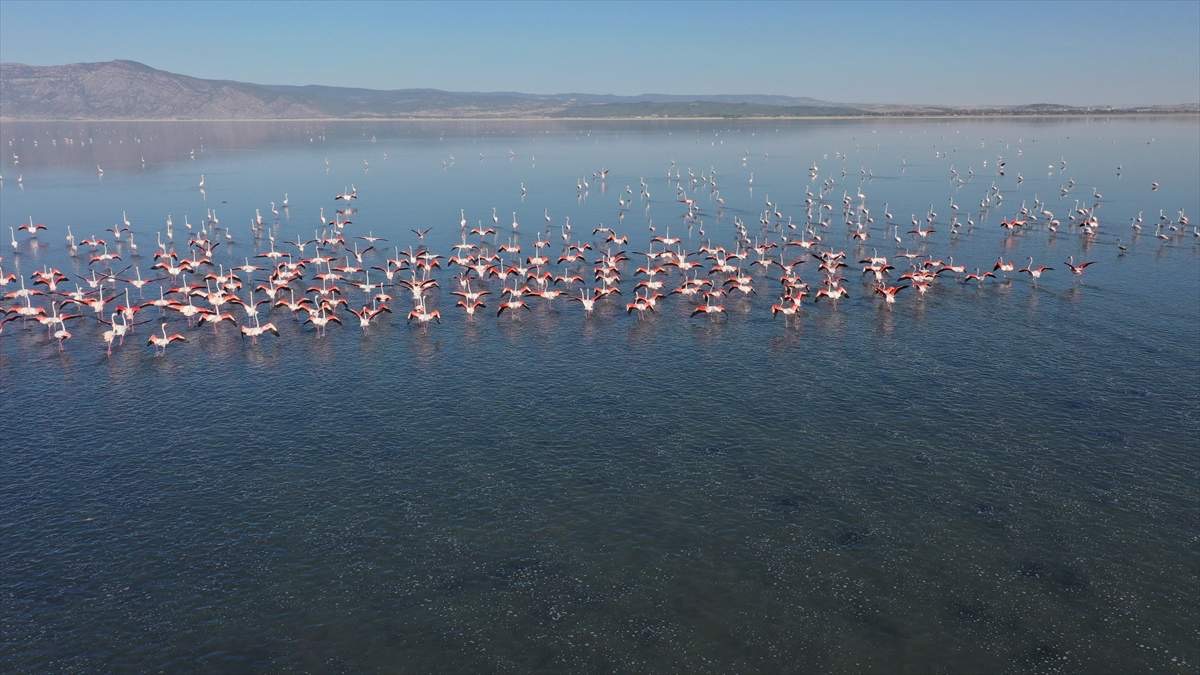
column 983, row 478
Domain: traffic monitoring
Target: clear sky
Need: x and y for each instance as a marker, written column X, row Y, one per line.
column 893, row 52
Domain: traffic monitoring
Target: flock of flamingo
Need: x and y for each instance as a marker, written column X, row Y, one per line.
column 336, row 274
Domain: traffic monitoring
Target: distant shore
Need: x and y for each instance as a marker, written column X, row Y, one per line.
column 871, row 118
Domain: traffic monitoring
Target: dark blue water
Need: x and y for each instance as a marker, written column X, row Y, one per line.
column 995, row 479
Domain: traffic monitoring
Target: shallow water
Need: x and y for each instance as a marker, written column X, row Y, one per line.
column 996, row 479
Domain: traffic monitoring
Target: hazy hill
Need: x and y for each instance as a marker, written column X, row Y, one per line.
column 131, row 90
column 703, row 108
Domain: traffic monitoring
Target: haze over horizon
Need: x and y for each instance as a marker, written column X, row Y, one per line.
column 926, row 53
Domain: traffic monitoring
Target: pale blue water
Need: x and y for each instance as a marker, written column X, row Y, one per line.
column 996, row 479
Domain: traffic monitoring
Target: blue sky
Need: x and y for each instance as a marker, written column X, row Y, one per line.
column 956, row 53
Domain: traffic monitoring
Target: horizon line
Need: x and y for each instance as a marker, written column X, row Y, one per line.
column 585, row 93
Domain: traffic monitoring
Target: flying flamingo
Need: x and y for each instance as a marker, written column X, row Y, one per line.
column 889, row 292
column 1034, row 272
column 1077, row 270
column 257, row 330
column 161, row 343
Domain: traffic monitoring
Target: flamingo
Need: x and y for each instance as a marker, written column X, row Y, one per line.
column 1034, row 272
column 31, row 227
column 367, row 314
column 708, row 308
column 888, row 292
column 258, row 330
column 1077, row 270
column 161, row 343
column 115, row 331
column 788, row 305
column 978, row 276
column 471, row 306
column 831, row 292
column 322, row 320
column 512, row 304
column 424, row 316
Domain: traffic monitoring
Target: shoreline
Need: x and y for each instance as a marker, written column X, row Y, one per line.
column 874, row 118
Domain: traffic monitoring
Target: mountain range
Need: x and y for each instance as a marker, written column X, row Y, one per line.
column 131, row 90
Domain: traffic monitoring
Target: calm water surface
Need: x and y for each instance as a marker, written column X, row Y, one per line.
column 996, row 479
